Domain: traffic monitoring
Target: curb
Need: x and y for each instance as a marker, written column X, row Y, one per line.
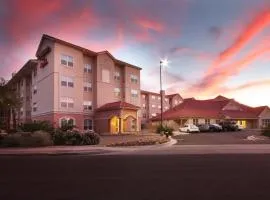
column 90, row 150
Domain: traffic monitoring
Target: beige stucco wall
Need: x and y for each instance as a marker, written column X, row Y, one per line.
column 44, row 81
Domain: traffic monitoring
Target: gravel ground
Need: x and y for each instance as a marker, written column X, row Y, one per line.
column 107, row 140
column 222, row 138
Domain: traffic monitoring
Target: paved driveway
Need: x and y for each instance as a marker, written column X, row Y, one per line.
column 239, row 137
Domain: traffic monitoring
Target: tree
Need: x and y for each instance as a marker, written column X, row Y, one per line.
column 9, row 103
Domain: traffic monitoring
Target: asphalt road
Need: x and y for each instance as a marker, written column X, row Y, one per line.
column 135, row 177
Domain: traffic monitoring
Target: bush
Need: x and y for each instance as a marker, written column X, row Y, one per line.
column 36, row 139
column 90, row 138
column 36, row 126
column 74, row 137
column 164, row 130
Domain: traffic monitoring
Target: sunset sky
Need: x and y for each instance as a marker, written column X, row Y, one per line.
column 214, row 46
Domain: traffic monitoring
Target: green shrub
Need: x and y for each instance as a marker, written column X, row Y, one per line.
column 90, row 138
column 74, row 137
column 164, row 130
column 36, row 139
column 36, row 126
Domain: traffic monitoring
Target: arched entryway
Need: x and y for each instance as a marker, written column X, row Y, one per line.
column 114, row 125
column 130, row 124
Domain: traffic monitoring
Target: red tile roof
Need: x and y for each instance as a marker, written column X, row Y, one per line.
column 213, row 108
column 117, row 105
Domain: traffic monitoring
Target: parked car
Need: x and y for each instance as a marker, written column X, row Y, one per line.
column 204, row 127
column 229, row 126
column 215, row 128
column 189, row 128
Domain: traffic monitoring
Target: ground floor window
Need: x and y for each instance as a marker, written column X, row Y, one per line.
column 195, row 121
column 266, row 122
column 66, row 121
column 207, row 121
column 88, row 124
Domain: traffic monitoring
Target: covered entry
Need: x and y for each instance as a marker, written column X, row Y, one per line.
column 117, row 118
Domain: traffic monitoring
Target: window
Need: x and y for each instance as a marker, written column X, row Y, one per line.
column 195, row 121
column 154, row 114
column 166, row 108
column 153, row 97
column 34, row 106
column 153, row 106
column 143, row 106
column 105, row 76
column 134, row 93
column 117, row 76
column 266, row 123
column 28, row 113
column 87, row 68
column 87, row 86
column 159, row 107
column 88, row 124
column 117, row 92
column 143, row 96
column 87, row 105
column 67, row 60
column 67, row 81
column 66, row 102
column 134, row 78
column 66, row 121
column 159, row 98
column 207, row 121
column 166, row 99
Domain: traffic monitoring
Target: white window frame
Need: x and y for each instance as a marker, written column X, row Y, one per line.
column 67, row 118
column 87, row 87
column 134, row 78
column 92, row 124
column 69, row 82
column 87, row 106
column 154, row 114
column 134, row 93
column 68, row 101
column 117, row 75
column 66, row 60
column 87, row 68
column 153, row 106
column 117, row 92
column 34, row 106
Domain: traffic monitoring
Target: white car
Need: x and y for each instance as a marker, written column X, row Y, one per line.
column 189, row 128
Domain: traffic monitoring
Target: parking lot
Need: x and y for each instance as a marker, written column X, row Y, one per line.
column 239, row 137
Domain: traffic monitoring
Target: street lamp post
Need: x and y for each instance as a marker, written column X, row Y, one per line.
column 161, row 95
column 162, row 63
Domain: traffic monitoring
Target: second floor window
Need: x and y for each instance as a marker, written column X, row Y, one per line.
column 34, row 89
column 67, row 60
column 133, row 78
column 117, row 76
column 153, row 106
column 34, row 106
column 66, row 102
column 87, row 86
column 134, row 93
column 153, row 97
column 67, row 81
column 87, row 105
column 87, row 68
column 117, row 92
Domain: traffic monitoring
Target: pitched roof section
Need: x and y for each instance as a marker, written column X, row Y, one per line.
column 84, row 50
column 117, row 105
column 155, row 93
column 213, row 108
column 173, row 95
column 220, row 98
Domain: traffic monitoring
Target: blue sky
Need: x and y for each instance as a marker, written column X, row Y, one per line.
column 192, row 34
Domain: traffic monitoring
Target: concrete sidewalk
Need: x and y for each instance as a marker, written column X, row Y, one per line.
column 90, row 149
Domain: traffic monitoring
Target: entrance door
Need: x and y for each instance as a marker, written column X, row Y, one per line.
column 114, row 125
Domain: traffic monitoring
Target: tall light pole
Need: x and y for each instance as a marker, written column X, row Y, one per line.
column 161, row 63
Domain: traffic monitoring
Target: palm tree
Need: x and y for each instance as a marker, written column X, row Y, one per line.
column 9, row 103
